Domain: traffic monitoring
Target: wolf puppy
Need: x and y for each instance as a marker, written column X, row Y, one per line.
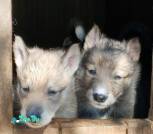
column 107, row 77
column 44, row 81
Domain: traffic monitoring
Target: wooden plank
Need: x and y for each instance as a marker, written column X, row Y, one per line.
column 84, row 126
column 93, row 126
column 138, row 126
column 5, row 67
column 52, row 128
column 96, row 130
column 22, row 130
column 151, row 123
column 125, row 126
column 151, row 98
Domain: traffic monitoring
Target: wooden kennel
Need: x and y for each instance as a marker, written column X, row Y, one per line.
column 59, row 126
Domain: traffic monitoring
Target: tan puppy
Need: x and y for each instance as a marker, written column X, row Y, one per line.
column 44, row 81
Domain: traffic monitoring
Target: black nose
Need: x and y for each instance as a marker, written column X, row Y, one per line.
column 99, row 97
column 34, row 110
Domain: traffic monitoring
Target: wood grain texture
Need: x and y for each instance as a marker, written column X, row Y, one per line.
column 20, row 130
column 93, row 126
column 52, row 128
column 138, row 127
column 133, row 126
column 81, row 126
column 5, row 67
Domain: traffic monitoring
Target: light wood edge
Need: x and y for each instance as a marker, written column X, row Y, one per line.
column 5, row 66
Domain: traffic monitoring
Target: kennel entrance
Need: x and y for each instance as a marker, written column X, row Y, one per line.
column 59, row 126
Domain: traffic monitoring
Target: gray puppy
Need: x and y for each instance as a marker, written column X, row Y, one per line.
column 107, row 77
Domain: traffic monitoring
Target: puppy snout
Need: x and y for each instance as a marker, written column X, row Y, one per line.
column 99, row 97
column 34, row 110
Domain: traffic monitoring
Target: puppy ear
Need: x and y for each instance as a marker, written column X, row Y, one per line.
column 134, row 49
column 72, row 58
column 20, row 52
column 92, row 37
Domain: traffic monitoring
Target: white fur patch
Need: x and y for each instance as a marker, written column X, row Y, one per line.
column 101, row 90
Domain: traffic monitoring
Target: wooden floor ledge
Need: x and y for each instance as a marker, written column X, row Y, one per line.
column 85, row 126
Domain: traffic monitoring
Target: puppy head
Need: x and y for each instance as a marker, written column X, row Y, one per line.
column 43, row 78
column 107, row 69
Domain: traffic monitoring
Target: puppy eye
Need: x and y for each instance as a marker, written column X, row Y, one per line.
column 92, row 72
column 26, row 89
column 51, row 92
column 117, row 77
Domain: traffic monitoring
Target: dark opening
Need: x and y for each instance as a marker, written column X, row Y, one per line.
column 45, row 23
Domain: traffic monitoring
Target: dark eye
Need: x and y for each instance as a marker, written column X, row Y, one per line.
column 25, row 89
column 117, row 77
column 92, row 72
column 51, row 92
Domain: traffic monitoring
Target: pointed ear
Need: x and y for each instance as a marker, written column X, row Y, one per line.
column 20, row 52
column 72, row 58
column 134, row 49
column 92, row 37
